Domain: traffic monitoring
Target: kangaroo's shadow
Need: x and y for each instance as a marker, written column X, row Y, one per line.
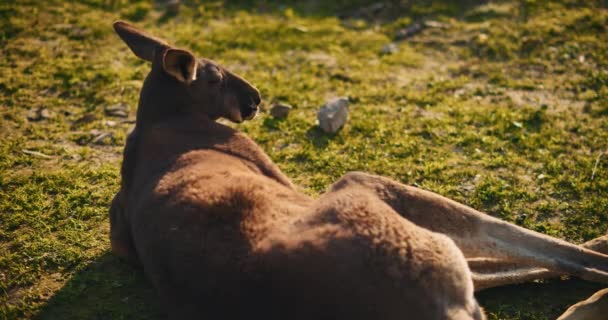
column 105, row 289
column 545, row 299
column 111, row 289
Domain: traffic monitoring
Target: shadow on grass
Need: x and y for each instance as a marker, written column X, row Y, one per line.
column 106, row 289
column 271, row 123
column 319, row 138
column 369, row 10
column 545, row 300
column 110, row 289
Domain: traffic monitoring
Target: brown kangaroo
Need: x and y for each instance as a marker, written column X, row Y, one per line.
column 223, row 234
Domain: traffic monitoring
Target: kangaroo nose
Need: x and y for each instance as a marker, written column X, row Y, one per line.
column 256, row 97
column 248, row 91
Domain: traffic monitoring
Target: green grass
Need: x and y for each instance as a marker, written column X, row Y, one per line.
column 506, row 110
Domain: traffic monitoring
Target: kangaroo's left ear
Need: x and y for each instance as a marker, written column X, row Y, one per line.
column 142, row 44
column 181, row 64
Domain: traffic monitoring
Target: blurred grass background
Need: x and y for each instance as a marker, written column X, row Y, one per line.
column 501, row 105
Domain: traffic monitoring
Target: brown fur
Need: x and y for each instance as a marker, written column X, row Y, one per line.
column 223, row 234
column 594, row 308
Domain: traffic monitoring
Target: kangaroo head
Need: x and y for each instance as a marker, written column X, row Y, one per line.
column 180, row 83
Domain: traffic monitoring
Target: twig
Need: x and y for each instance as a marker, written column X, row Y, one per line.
column 36, row 154
column 597, row 161
column 101, row 136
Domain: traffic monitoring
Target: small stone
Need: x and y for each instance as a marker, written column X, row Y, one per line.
column 101, row 138
column 333, row 115
column 109, row 123
column 46, row 113
column 409, row 31
column 85, row 119
column 80, row 33
column 33, row 115
column 482, row 38
column 343, row 77
column 120, row 110
column 37, row 114
column 300, row 29
column 389, row 48
column 435, row 24
column 280, row 110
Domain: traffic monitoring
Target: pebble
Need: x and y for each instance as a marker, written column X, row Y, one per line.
column 389, row 48
column 280, row 110
column 37, row 114
column 120, row 110
column 409, row 31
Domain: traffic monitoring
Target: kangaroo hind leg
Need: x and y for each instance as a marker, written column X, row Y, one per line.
column 480, row 235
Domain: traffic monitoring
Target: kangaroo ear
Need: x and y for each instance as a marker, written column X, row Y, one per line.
column 143, row 45
column 181, row 64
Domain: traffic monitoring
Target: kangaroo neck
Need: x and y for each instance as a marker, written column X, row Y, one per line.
column 160, row 98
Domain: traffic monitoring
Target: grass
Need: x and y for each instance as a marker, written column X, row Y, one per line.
column 505, row 110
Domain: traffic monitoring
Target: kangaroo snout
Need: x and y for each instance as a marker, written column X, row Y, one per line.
column 249, row 97
column 249, row 112
column 253, row 106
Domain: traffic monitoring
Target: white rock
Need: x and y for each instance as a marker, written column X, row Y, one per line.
column 333, row 115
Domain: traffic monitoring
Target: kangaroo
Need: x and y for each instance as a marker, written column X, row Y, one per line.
column 222, row 233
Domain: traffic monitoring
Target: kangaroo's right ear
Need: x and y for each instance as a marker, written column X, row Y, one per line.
column 143, row 45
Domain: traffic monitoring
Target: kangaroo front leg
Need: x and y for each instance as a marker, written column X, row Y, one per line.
column 120, row 232
column 480, row 235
